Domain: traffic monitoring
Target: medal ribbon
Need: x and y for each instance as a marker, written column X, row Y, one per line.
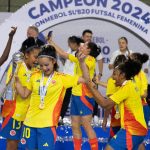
column 43, row 89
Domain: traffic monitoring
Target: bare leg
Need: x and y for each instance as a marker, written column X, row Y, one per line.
column 77, row 135
column 108, row 147
column 12, row 144
column 86, row 122
column 141, row 147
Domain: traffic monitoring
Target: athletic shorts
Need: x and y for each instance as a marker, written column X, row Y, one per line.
column 11, row 129
column 124, row 140
column 113, row 131
column 81, row 105
column 38, row 138
column 146, row 110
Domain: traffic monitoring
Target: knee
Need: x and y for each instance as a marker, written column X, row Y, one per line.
column 75, row 126
column 86, row 124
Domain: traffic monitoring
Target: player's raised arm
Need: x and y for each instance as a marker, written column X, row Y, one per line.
column 5, row 54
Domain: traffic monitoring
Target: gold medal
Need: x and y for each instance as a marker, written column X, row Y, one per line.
column 41, row 106
column 117, row 115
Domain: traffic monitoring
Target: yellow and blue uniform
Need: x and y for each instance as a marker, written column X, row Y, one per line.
column 40, row 123
column 14, row 116
column 133, row 126
column 82, row 101
column 115, row 123
column 142, row 84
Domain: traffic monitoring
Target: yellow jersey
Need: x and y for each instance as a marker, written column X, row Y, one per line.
column 130, row 108
column 141, row 82
column 111, row 89
column 53, row 100
column 20, row 105
column 81, row 88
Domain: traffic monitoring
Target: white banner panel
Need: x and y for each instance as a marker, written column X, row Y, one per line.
column 106, row 18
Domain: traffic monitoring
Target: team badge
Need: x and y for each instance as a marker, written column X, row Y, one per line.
column 53, row 81
column 12, row 132
column 23, row 141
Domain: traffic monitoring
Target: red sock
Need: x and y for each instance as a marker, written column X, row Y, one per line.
column 77, row 143
column 93, row 144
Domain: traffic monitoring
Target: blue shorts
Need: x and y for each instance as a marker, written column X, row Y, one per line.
column 146, row 110
column 38, row 138
column 123, row 141
column 81, row 106
column 11, row 129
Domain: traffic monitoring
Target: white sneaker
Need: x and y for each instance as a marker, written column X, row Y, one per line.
column 66, row 121
column 96, row 120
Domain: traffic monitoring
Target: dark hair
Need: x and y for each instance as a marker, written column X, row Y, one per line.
column 50, row 51
column 123, row 38
column 130, row 68
column 142, row 58
column 75, row 39
column 95, row 50
column 86, row 31
column 119, row 59
column 29, row 44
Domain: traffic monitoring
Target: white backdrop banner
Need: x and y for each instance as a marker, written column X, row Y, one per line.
column 108, row 19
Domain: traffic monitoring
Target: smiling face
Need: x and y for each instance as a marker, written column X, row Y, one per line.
column 87, row 37
column 46, row 65
column 118, row 76
column 31, row 58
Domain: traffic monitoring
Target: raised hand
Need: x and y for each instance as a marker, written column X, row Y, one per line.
column 81, row 56
column 13, row 31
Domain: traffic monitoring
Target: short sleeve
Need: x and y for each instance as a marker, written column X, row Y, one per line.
column 90, row 62
column 120, row 95
column 111, row 87
column 144, row 83
column 69, row 81
column 73, row 58
column 113, row 57
column 99, row 57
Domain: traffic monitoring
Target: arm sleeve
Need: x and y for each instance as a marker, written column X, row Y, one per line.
column 72, row 58
column 69, row 81
column 120, row 95
column 111, row 88
column 90, row 62
column 112, row 59
column 99, row 57
column 144, row 83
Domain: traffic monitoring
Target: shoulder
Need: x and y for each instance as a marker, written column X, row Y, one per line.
column 116, row 52
column 59, row 74
column 35, row 73
column 110, row 80
column 127, row 84
column 90, row 58
column 131, row 51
